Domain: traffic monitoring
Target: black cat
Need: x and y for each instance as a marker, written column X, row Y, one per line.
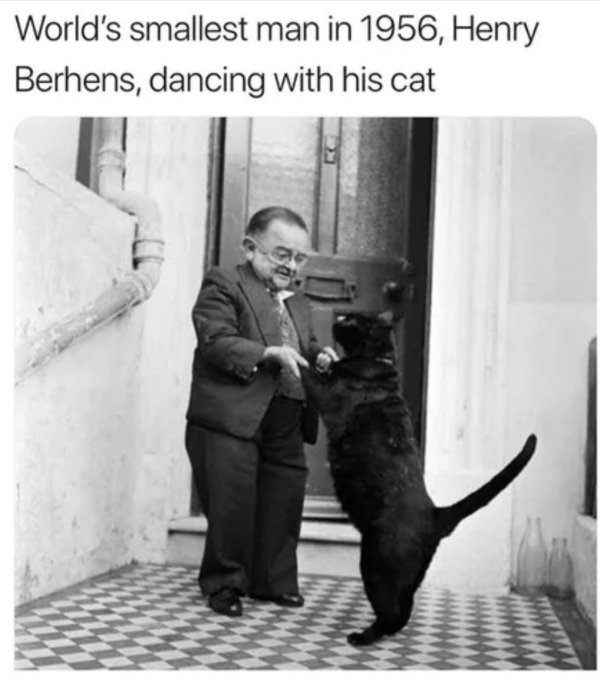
column 377, row 473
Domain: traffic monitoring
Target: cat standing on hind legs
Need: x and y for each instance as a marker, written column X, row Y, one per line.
column 376, row 469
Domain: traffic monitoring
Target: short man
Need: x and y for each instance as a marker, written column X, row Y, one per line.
column 248, row 415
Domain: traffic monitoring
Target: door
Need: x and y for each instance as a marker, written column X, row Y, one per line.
column 363, row 187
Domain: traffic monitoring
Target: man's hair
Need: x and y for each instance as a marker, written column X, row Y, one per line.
column 259, row 222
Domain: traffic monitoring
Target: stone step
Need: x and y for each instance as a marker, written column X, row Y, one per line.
column 326, row 548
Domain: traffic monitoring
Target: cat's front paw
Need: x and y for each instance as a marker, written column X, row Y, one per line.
column 325, row 359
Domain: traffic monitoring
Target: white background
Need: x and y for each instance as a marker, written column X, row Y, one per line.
column 557, row 76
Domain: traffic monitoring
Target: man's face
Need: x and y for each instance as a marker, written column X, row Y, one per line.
column 278, row 254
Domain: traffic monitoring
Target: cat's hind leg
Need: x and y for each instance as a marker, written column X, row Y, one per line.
column 391, row 618
column 384, row 592
column 379, row 589
column 369, row 635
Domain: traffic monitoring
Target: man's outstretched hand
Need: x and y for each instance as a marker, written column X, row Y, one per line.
column 286, row 357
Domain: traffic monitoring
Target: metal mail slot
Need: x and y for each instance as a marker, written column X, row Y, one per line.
column 329, row 288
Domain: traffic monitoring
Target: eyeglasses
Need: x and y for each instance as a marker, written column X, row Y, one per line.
column 281, row 255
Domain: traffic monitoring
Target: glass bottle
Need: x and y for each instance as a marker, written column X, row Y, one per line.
column 531, row 561
column 560, row 571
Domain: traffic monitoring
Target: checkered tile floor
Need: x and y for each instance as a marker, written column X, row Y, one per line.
column 153, row 617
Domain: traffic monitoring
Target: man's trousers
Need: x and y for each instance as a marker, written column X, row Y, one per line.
column 252, row 493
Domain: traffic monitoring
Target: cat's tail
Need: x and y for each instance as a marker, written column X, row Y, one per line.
column 448, row 518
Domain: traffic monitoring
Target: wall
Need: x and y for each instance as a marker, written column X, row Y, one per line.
column 74, row 441
column 100, row 461
column 512, row 312
column 585, row 551
column 465, row 439
column 168, row 159
column 55, row 140
column 552, row 313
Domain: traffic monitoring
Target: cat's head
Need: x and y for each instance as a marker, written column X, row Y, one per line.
column 365, row 335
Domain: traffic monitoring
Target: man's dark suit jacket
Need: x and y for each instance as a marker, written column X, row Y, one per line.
column 235, row 320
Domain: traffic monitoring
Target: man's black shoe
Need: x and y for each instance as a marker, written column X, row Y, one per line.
column 294, row 600
column 226, row 601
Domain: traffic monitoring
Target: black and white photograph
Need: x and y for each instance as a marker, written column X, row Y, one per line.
column 305, row 393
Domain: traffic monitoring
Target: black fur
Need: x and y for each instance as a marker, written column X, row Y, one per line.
column 377, row 474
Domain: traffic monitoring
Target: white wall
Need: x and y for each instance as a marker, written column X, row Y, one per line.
column 56, row 140
column 552, row 313
column 75, row 441
column 465, row 442
column 168, row 159
column 513, row 310
column 100, row 459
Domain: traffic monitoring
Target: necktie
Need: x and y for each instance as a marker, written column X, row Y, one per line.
column 289, row 385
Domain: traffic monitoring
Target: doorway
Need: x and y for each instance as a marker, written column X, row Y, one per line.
column 363, row 185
